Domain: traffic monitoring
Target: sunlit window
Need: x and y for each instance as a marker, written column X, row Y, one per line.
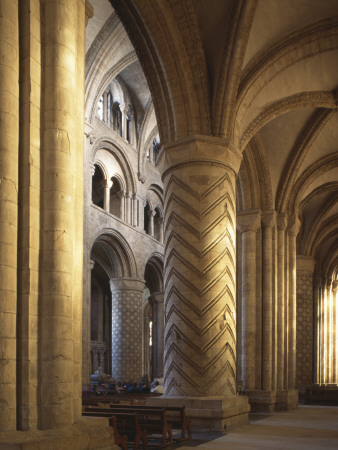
column 150, row 333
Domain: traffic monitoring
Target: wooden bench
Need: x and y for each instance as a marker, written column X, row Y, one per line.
column 127, row 429
column 180, row 421
column 152, row 421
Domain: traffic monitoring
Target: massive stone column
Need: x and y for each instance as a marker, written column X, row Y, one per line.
column 200, row 280
column 127, row 336
column 9, row 133
column 58, row 230
column 248, row 224
column 157, row 302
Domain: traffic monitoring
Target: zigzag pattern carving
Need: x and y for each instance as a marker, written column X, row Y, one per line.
column 199, row 281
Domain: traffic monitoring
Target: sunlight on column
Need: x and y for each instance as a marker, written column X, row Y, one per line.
column 327, row 338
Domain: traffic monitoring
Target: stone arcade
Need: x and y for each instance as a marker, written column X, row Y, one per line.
column 168, row 189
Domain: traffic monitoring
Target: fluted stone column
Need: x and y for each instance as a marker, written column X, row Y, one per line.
column 282, row 225
column 157, row 302
column 127, row 320
column 268, row 223
column 248, row 224
column 293, row 229
column 200, row 280
column 9, row 133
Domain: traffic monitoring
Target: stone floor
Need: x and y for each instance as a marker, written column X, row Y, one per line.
column 306, row 428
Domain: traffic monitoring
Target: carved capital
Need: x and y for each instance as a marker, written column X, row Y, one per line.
column 293, row 225
column 126, row 284
column 268, row 218
column 282, row 221
column 200, row 149
column 156, row 298
column 249, row 220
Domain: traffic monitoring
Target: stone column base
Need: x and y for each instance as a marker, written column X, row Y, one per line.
column 90, row 433
column 209, row 413
column 287, row 399
column 262, row 401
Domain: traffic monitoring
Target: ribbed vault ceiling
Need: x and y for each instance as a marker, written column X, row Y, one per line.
column 263, row 74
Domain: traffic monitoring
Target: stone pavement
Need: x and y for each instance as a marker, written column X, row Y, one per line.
column 305, row 428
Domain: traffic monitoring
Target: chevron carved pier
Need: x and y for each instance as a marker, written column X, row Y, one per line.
column 199, row 275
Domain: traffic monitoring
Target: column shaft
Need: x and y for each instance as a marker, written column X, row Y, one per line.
column 334, row 333
column 316, row 331
column 328, row 330
column 59, row 243
column 199, row 273
column 127, row 327
column 78, row 169
column 248, row 224
column 292, row 305
column 151, row 215
column 106, row 201
column 29, row 214
column 9, row 132
column 281, row 300
column 268, row 300
column 157, row 302
column 322, row 334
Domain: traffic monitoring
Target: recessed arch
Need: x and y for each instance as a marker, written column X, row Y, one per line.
column 112, row 251
column 106, row 143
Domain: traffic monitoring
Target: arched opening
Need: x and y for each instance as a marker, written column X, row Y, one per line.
column 98, row 183
column 100, row 323
column 147, row 212
column 158, row 224
column 115, row 198
column 154, row 316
